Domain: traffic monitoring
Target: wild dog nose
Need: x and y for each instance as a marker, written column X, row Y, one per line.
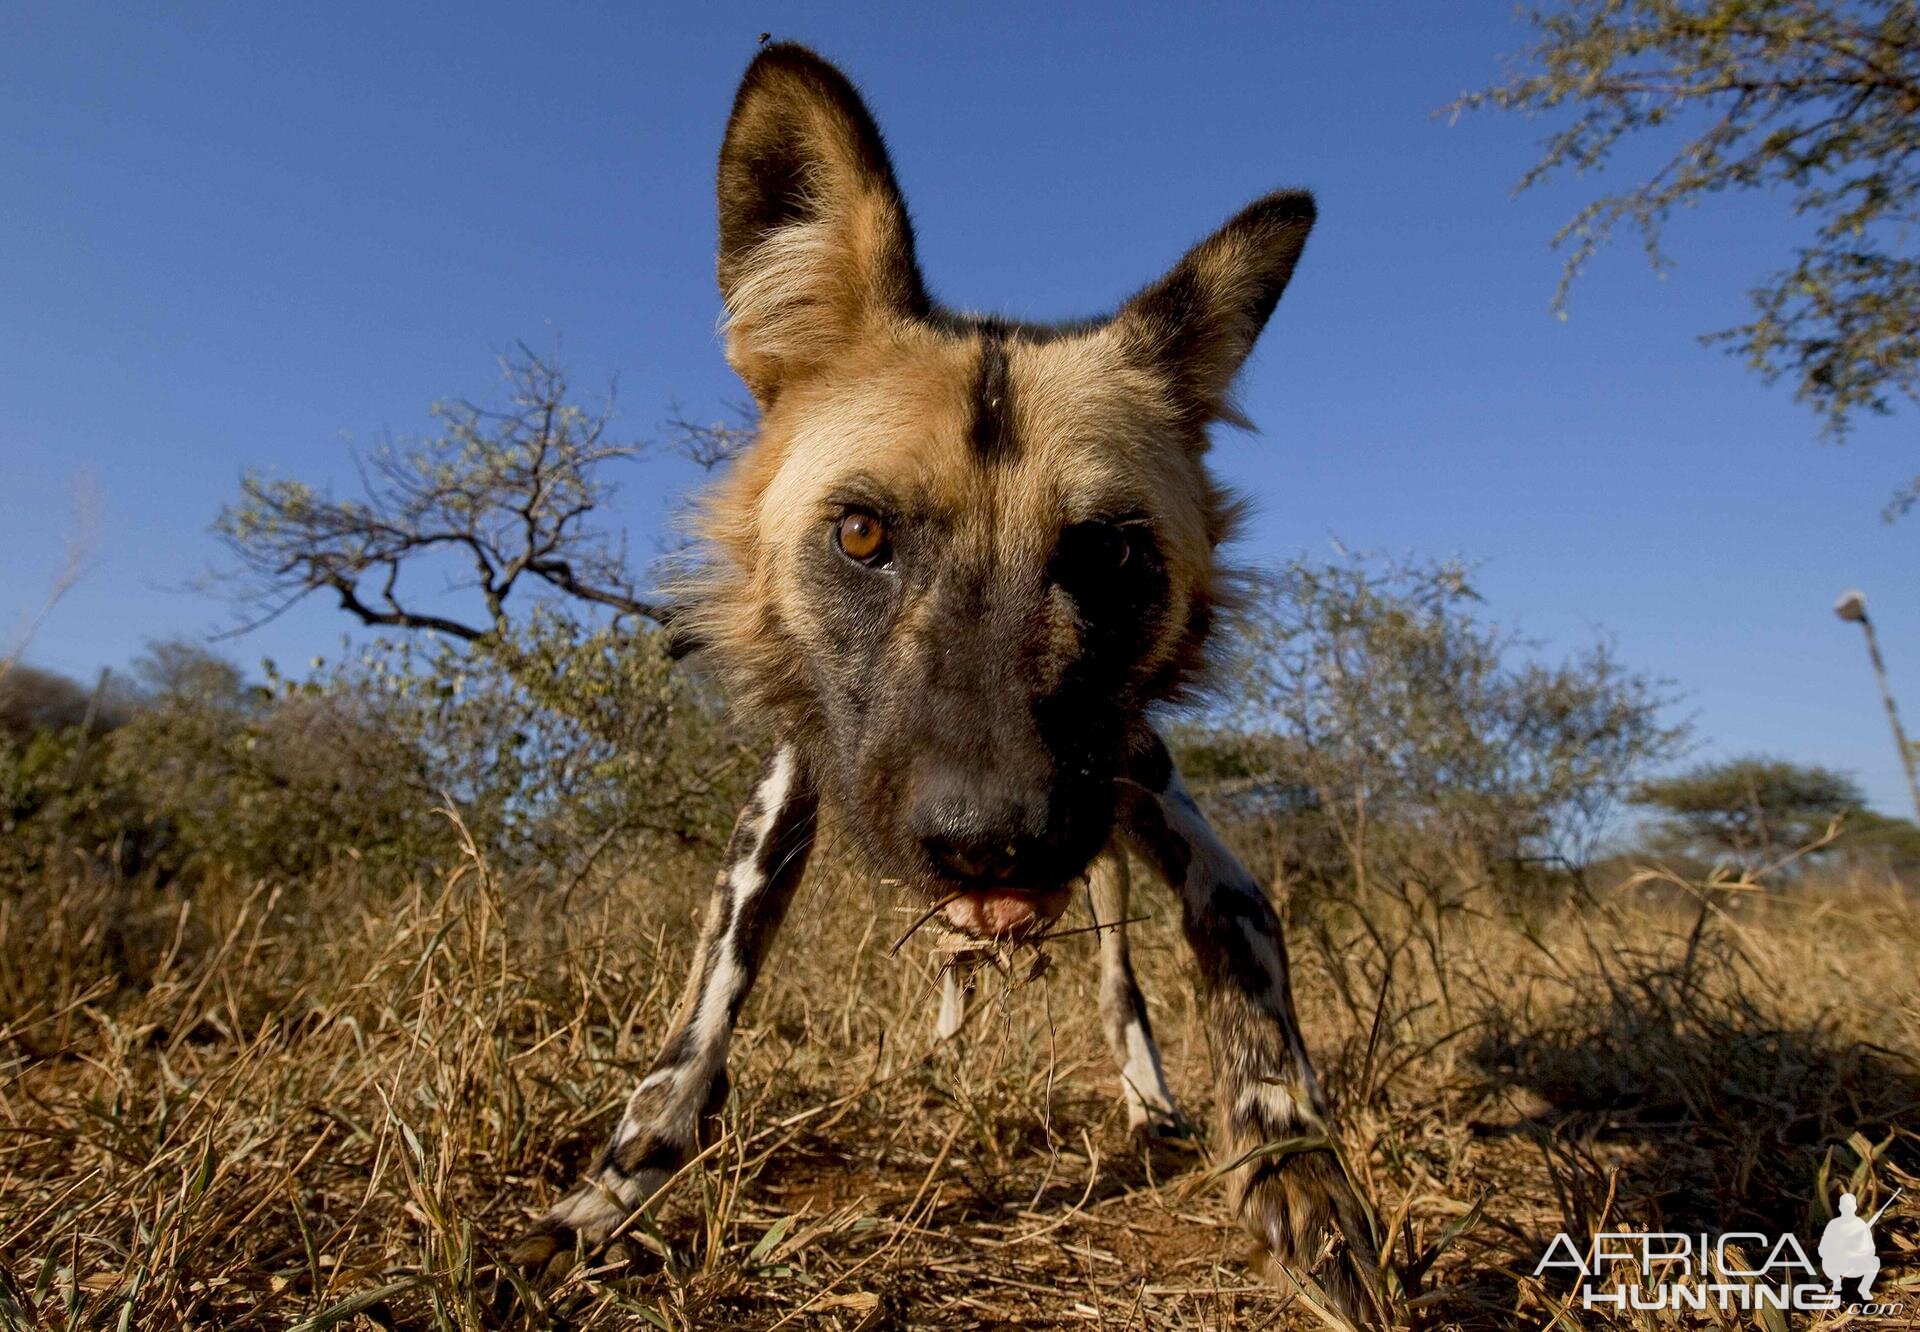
column 982, row 842
column 984, row 861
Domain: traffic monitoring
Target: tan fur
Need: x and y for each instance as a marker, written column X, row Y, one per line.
column 808, row 293
column 859, row 374
column 1098, row 436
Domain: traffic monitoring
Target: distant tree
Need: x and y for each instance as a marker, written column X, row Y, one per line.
column 1749, row 810
column 34, row 700
column 1869, row 838
column 178, row 671
column 1813, row 99
column 1371, row 701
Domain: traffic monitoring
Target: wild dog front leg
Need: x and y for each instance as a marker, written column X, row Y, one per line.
column 1123, row 1009
column 1295, row 1198
column 687, row 1083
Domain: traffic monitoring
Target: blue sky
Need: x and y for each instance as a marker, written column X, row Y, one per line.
column 248, row 235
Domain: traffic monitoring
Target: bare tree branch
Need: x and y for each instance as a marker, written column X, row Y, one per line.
column 713, row 444
column 510, row 492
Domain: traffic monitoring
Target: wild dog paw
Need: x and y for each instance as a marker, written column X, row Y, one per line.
column 595, row 1212
column 1158, row 1123
column 1310, row 1220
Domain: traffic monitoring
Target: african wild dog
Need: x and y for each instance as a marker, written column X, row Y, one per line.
column 961, row 560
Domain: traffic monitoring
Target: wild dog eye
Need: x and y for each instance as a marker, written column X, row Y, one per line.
column 862, row 536
column 1089, row 552
column 1106, row 547
column 1099, row 561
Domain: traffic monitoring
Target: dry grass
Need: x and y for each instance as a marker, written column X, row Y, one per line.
column 328, row 1104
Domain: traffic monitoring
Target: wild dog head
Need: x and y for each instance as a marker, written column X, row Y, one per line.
column 964, row 555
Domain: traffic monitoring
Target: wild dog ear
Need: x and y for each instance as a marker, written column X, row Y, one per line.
column 814, row 237
column 1196, row 325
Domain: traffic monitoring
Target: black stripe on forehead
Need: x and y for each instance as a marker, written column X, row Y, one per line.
column 992, row 429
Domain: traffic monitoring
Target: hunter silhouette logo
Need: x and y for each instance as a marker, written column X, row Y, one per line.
column 1654, row 1270
column 1846, row 1245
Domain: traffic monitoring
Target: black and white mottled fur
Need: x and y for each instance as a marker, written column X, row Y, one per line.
column 687, row 1084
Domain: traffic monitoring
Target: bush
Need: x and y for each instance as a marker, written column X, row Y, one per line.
column 556, row 745
column 1369, row 708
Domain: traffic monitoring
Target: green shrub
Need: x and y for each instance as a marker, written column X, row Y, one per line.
column 555, row 745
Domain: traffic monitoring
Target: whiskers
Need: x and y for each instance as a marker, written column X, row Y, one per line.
column 954, row 948
column 1098, row 927
column 924, row 917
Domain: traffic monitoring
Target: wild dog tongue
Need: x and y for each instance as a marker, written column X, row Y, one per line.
column 1006, row 913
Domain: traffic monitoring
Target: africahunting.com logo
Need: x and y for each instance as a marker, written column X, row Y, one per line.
column 1655, row 1270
